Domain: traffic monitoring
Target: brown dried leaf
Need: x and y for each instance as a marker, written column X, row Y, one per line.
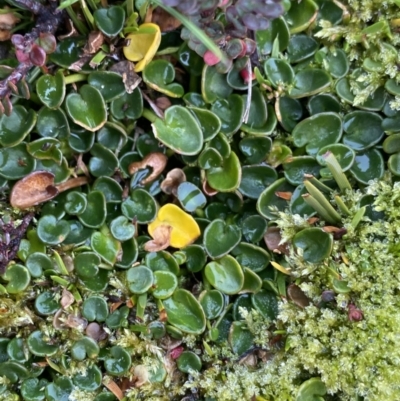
column 94, row 42
column 67, row 299
column 208, row 190
column 171, row 182
column 35, row 188
column 161, row 239
column 156, row 161
column 129, row 77
column 113, row 387
column 115, row 305
column 312, row 220
column 272, row 239
column 164, row 20
column 96, row 332
column 8, row 21
column 284, row 195
column 296, row 294
column 71, row 31
column 141, row 375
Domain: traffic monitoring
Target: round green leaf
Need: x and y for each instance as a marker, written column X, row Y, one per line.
column 311, row 390
column 289, row 112
column 140, row 206
column 122, row 229
column 301, row 15
column 59, row 390
column 38, row 262
column 301, row 47
column 255, row 149
column 85, row 348
column 313, row 244
column 318, row 131
column 103, row 161
column 195, row 258
column 185, row 313
column 363, row 129
column 220, row 238
column 159, row 75
column 279, row 72
column 16, row 162
column 179, row 131
column 270, row 198
column 51, row 89
column 227, row 177
column 251, row 256
column 255, row 179
column 230, row 112
column 52, row 231
column 295, row 168
column 343, row 154
column 309, row 81
column 105, row 246
column 75, row 203
column 52, row 123
column 266, row 303
column 140, row 279
column 95, row 308
column 162, row 261
column 110, row 20
column 225, row 274
column 86, row 264
column 369, row 165
column 90, row 380
column 47, row 303
column 164, row 284
column 212, row 302
column 17, row 277
column 240, row 338
column 87, row 108
column 129, row 105
column 40, row 347
column 94, row 214
column 14, row 128
column 188, row 361
column 209, row 122
column 118, row 361
column 214, row 85
column 323, row 103
column 32, row 389
column 108, row 83
column 265, row 38
column 253, row 228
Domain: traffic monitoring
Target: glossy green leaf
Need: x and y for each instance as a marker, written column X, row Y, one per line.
column 46, row 303
column 75, row 203
column 278, row 29
column 140, row 279
column 164, row 285
column 313, row 244
column 162, row 261
column 279, row 72
column 39, row 346
column 14, row 128
column 309, row 81
column 343, row 154
column 311, row 390
column 140, row 206
column 188, row 361
column 220, row 238
column 251, row 256
column 179, row 131
column 225, row 274
column 84, row 348
column 295, row 168
column 270, row 198
column 16, row 162
column 129, row 105
column 110, row 20
column 240, row 338
column 95, row 308
column 108, row 83
column 190, row 196
column 52, row 231
column 185, row 312
column 33, row 389
column 94, row 214
column 105, row 246
column 52, row 123
column 362, row 130
column 214, row 85
column 369, row 165
column 160, row 75
column 87, row 108
column 51, row 89
column 118, row 361
column 89, row 381
column 255, row 179
column 227, row 177
column 212, row 302
column 301, row 15
column 301, row 47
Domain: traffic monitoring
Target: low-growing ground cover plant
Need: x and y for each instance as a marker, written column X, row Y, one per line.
column 199, row 200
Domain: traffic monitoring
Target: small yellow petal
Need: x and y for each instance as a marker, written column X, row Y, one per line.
column 143, row 45
column 184, row 231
